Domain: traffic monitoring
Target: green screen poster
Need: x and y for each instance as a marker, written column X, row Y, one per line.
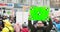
column 39, row 13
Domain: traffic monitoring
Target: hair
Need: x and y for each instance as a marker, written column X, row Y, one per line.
column 45, row 24
column 2, row 23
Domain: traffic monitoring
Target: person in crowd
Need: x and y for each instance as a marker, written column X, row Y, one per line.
column 4, row 17
column 57, row 20
column 1, row 26
column 56, row 23
column 1, row 23
column 11, row 19
column 7, row 26
column 25, row 28
column 17, row 27
column 40, row 26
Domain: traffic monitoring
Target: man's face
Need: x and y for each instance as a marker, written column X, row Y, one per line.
column 56, row 19
column 40, row 24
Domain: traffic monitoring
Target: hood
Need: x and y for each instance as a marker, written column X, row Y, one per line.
column 7, row 23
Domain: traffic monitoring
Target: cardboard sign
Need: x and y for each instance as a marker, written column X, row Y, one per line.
column 39, row 13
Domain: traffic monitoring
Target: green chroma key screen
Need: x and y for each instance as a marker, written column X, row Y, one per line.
column 39, row 13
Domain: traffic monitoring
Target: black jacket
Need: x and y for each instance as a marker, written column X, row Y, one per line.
column 45, row 29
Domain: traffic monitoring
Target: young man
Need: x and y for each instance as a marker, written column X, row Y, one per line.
column 40, row 27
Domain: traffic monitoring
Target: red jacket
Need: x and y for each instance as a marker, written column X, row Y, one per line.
column 24, row 30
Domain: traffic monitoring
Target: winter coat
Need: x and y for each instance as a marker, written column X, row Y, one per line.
column 45, row 29
column 24, row 30
column 7, row 26
column 17, row 27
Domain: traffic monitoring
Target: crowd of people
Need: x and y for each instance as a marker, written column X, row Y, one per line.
column 6, row 25
column 9, row 24
column 37, row 26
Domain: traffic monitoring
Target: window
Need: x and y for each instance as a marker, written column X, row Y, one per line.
column 55, row 3
column 9, row 1
column 22, row 1
column 56, row 9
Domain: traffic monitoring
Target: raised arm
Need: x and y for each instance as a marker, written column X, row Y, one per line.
column 30, row 24
column 49, row 27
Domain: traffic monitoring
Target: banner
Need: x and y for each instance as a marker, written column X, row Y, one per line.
column 8, row 5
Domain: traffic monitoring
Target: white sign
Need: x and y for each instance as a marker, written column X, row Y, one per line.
column 19, row 17
column 22, row 17
column 55, row 13
column 25, row 17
